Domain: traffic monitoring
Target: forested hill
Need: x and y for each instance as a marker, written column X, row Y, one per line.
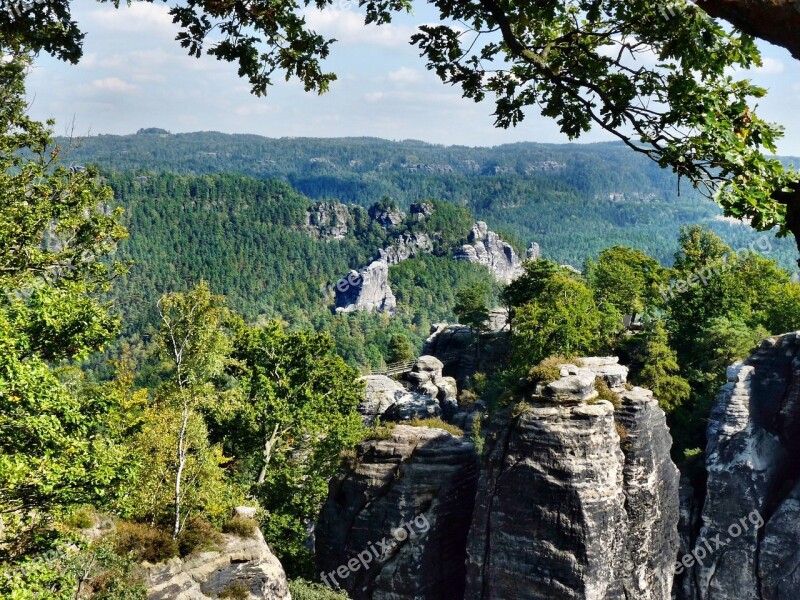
column 574, row 200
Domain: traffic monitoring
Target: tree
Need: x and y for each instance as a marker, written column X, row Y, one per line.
column 563, row 319
column 527, row 287
column 626, row 278
column 575, row 60
column 400, row 349
column 296, row 415
column 660, row 370
column 471, row 307
column 54, row 453
column 193, row 338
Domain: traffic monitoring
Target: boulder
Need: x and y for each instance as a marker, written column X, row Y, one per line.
column 485, row 247
column 209, row 574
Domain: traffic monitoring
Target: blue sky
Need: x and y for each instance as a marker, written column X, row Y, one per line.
column 134, row 74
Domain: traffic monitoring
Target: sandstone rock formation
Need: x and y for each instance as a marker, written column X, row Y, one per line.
column 395, row 523
column 753, row 471
column 464, row 352
column 426, row 377
column 387, row 218
column 406, row 246
column 566, row 509
column 209, row 574
column 386, row 398
column 485, row 247
column 367, row 290
column 328, row 220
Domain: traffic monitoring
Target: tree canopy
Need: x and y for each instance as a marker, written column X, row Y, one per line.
column 579, row 62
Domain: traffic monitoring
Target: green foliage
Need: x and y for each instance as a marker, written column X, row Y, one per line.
column 306, row 590
column 563, row 319
column 296, row 414
column 82, row 518
column 606, row 393
column 400, row 349
column 660, row 371
column 471, row 307
column 241, row 526
column 142, row 542
column 436, row 423
column 626, row 279
column 198, row 535
column 547, row 370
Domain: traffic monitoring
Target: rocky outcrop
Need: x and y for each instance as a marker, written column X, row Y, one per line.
column 209, row 574
column 464, row 352
column 421, row 210
column 748, row 547
column 534, row 252
column 405, row 246
column 485, row 247
column 367, row 290
column 426, row 377
column 576, row 500
column 328, row 220
column 395, row 523
column 386, row 398
column 386, row 217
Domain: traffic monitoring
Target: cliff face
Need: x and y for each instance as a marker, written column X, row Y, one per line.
column 485, row 247
column 748, row 547
column 366, row 290
column 395, row 523
column 566, row 509
column 573, row 499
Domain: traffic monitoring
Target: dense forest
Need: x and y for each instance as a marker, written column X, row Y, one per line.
column 574, row 200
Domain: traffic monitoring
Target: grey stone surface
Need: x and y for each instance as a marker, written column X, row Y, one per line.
column 568, row 510
column 485, row 247
column 405, row 246
column 208, row 574
column 386, row 398
column 752, row 466
column 366, row 290
column 424, row 478
column 328, row 220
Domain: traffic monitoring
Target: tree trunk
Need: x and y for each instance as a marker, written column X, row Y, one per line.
column 776, row 21
column 269, row 446
column 181, row 464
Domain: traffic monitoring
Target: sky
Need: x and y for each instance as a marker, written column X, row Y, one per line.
column 134, row 74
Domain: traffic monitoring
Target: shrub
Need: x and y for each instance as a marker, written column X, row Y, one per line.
column 198, row 534
column 83, row 518
column 437, row 423
column 477, row 438
column 606, row 393
column 380, row 431
column 144, row 542
column 467, row 398
column 521, row 408
column 238, row 590
column 622, row 431
column 241, row 527
column 548, row 370
column 305, row 590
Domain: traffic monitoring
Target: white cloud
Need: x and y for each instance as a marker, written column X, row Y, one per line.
column 253, row 110
column 348, row 27
column 138, row 17
column 113, row 84
column 405, row 75
column 770, row 66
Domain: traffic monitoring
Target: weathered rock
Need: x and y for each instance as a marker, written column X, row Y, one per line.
column 405, row 246
column 386, row 398
column 421, row 210
column 608, row 368
column 208, row 574
column 464, row 353
column 367, row 290
column 387, row 218
column 564, row 512
column 534, row 252
column 328, row 220
column 575, row 386
column 485, row 247
column 752, row 466
column 404, row 507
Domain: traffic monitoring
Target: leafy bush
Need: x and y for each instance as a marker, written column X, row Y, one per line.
column 548, row 370
column 305, row 590
column 380, row 431
column 241, row 527
column 143, row 542
column 606, row 393
column 198, row 534
column 238, row 590
column 82, row 518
